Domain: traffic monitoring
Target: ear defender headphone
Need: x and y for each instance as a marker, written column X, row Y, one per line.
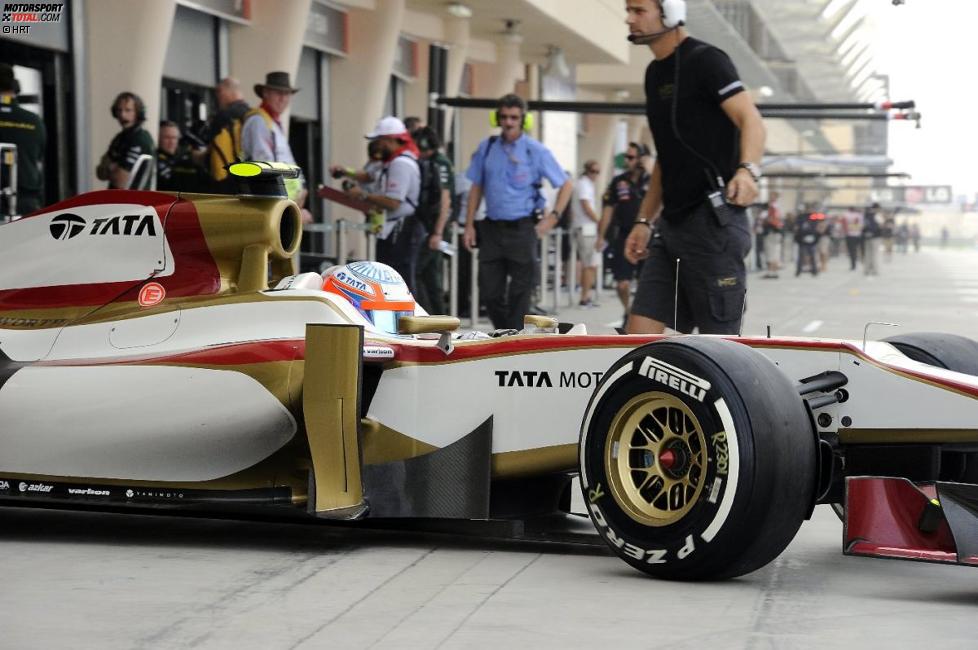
column 673, row 16
column 426, row 138
column 140, row 106
column 641, row 148
column 512, row 101
column 527, row 120
column 673, row 13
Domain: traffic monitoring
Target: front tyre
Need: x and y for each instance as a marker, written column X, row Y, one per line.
column 698, row 459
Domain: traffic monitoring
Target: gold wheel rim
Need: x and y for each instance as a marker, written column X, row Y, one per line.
column 655, row 459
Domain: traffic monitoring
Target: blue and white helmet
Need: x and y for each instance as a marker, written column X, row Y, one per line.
column 376, row 290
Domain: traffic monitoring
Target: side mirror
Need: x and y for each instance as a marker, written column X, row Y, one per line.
column 427, row 324
column 443, row 325
column 536, row 324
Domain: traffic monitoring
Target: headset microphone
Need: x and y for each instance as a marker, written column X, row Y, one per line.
column 645, row 39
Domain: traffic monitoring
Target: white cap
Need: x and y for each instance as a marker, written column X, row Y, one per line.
column 387, row 126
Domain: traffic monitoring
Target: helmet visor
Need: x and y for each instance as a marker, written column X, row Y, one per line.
column 386, row 320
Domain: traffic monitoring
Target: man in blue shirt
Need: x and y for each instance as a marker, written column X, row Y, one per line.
column 508, row 170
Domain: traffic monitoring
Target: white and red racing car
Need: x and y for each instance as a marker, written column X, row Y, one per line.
column 156, row 350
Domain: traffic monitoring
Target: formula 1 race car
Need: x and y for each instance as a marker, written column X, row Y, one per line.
column 157, row 350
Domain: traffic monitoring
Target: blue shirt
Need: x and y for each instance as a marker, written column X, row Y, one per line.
column 511, row 174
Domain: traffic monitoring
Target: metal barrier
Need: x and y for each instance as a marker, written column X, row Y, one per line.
column 572, row 268
column 555, row 276
column 474, row 289
column 453, row 276
column 341, row 241
column 342, row 229
column 146, row 180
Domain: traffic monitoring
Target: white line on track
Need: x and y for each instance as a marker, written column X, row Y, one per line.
column 811, row 327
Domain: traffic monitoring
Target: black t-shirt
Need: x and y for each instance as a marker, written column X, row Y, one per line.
column 446, row 173
column 625, row 195
column 127, row 146
column 178, row 173
column 23, row 128
column 236, row 110
column 707, row 78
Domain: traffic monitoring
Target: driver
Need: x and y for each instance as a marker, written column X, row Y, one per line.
column 375, row 290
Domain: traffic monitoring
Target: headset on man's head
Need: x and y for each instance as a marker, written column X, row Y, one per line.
column 126, row 96
column 508, row 101
column 673, row 16
column 641, row 148
column 673, row 13
column 426, row 138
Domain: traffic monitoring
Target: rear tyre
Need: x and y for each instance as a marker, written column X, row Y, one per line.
column 698, row 459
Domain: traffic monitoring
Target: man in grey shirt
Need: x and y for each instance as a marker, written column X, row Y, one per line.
column 397, row 194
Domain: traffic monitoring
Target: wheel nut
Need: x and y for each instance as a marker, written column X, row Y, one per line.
column 667, row 459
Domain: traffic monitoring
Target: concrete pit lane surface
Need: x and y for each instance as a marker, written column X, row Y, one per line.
column 107, row 581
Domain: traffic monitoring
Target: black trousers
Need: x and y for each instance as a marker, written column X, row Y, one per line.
column 465, row 273
column 400, row 250
column 806, row 255
column 506, row 268
column 431, row 291
column 853, row 246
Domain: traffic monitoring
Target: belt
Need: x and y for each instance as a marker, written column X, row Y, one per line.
column 510, row 223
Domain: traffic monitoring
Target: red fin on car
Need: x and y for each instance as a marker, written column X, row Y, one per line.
column 895, row 518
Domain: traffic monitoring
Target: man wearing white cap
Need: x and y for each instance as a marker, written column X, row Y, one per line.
column 399, row 187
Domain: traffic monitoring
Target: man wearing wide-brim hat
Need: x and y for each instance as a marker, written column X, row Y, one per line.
column 262, row 135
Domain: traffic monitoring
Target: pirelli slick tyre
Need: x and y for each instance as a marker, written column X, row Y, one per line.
column 697, row 459
column 950, row 351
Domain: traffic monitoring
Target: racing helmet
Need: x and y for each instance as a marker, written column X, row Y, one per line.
column 375, row 290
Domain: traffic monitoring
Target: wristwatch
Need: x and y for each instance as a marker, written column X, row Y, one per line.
column 752, row 169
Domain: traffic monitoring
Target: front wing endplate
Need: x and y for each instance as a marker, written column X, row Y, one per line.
column 895, row 518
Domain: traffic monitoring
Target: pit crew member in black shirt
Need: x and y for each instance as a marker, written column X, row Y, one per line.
column 23, row 128
column 709, row 138
column 176, row 170
column 621, row 202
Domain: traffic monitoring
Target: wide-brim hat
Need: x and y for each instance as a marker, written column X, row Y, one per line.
column 276, row 81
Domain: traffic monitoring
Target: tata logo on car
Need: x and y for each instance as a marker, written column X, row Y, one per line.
column 67, row 226
column 675, row 378
column 542, row 379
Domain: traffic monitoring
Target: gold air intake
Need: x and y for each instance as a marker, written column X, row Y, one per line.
column 248, row 237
